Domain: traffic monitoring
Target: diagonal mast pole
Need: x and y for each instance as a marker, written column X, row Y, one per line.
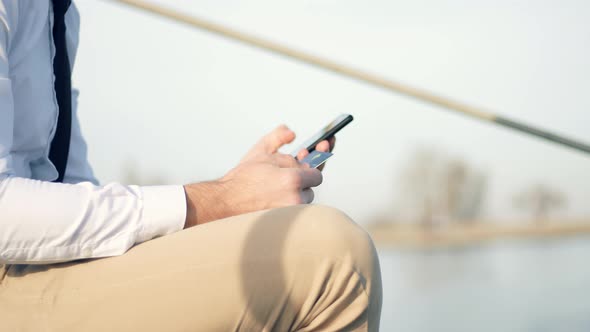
column 354, row 73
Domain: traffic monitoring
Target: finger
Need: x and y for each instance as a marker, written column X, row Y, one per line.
column 310, row 177
column 307, row 196
column 323, row 146
column 302, row 154
column 274, row 140
column 285, row 161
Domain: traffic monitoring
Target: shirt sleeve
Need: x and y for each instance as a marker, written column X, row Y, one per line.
column 43, row 222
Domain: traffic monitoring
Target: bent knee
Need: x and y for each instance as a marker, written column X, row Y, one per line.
column 330, row 232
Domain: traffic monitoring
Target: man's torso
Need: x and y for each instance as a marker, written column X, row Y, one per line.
column 30, row 53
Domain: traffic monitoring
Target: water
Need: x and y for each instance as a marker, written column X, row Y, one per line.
column 515, row 285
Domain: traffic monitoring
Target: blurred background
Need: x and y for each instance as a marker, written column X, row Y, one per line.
column 478, row 227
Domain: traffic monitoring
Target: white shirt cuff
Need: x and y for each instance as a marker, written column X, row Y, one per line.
column 164, row 211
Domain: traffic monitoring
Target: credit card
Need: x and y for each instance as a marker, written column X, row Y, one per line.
column 316, row 158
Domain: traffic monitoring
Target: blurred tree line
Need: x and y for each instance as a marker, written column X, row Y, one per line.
column 435, row 189
column 540, row 200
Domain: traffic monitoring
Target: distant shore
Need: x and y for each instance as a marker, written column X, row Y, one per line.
column 418, row 237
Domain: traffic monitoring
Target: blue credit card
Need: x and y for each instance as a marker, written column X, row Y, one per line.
column 316, row 158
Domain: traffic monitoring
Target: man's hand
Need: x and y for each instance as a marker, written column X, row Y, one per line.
column 264, row 179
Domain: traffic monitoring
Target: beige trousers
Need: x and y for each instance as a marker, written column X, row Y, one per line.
column 302, row 268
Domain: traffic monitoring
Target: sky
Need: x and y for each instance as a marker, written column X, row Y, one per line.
column 184, row 105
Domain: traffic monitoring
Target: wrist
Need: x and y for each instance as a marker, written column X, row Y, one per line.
column 205, row 202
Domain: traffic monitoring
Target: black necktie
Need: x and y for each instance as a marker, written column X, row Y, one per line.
column 60, row 146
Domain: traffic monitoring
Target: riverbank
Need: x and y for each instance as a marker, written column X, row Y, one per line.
column 418, row 237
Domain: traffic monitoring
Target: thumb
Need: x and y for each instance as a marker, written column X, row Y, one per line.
column 274, row 140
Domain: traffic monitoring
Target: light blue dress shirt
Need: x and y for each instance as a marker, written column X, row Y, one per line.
column 41, row 221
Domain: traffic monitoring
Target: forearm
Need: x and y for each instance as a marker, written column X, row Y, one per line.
column 205, row 202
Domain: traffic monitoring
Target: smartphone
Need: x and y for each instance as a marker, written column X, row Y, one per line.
column 326, row 133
